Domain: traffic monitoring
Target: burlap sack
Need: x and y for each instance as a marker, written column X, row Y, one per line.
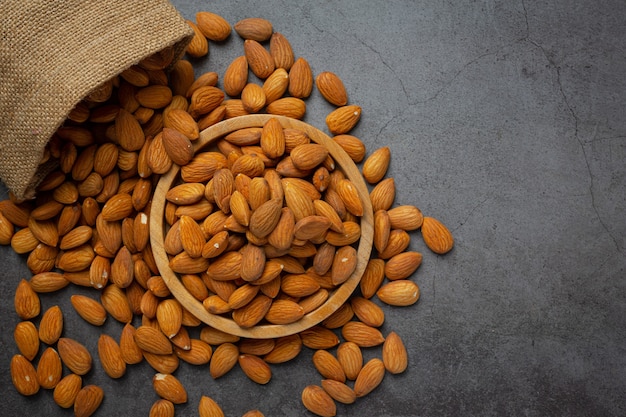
column 53, row 53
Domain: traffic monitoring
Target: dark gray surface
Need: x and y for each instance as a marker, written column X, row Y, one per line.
column 505, row 120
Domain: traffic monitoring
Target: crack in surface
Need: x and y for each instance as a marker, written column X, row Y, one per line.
column 557, row 69
column 469, row 215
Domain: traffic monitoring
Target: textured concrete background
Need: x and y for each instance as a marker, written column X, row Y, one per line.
column 505, row 121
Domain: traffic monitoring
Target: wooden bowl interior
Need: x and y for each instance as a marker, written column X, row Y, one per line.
column 337, row 297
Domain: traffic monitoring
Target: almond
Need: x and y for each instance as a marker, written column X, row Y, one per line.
column 273, row 139
column 394, row 354
column 89, row 309
column 26, row 301
column 27, row 339
column 350, row 197
column 213, row 26
column 406, row 217
column 372, row 278
column 24, row 376
column 23, row 241
column 177, row 145
column 255, row 368
column 152, row 340
column 67, row 390
column 382, row 230
column 351, row 359
column 288, row 106
column 45, row 231
column 191, row 236
column 369, row 378
column 317, row 401
column 299, row 285
column 204, row 100
column 339, row 391
column 308, row 156
column 367, row 311
column 49, row 369
column 343, row 119
column 275, row 86
column 207, row 407
column 168, row 387
column 186, row 193
column 76, row 237
column 344, row 264
column 399, row 293
column 164, row 364
column 332, row 89
column 117, row 207
column 402, row 265
column 74, row 355
column 383, row 195
column 122, row 271
column 130, row 352
column 300, row 79
column 162, row 408
column 199, row 352
column 253, row 312
column 317, row 337
column 285, row 349
column 51, row 325
column 281, row 51
column 198, row 46
column 254, row 28
column 340, row 317
column 110, row 355
column 226, row 267
column 128, row 131
column 298, row 201
column 116, row 304
column 88, row 400
column 157, row 157
column 397, row 242
column 328, row 366
column 253, row 98
column 362, row 334
column 223, row 359
column 284, row 312
column 259, row 59
column 264, row 219
column 6, row 230
column 181, row 77
column 153, row 97
column 169, row 315
column 437, row 236
column 236, row 76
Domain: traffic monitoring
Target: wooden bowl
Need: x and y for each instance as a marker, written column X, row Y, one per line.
column 337, row 297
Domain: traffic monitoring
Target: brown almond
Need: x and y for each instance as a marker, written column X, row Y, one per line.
column 191, row 236
column 399, row 293
column 169, row 315
column 131, row 353
column 168, row 387
column 110, row 355
column 328, row 366
column 24, row 376
column 26, row 339
column 152, row 340
column 350, row 197
column 437, row 236
column 253, row 312
column 308, row 156
column 300, row 79
column 255, row 368
column 48, row 281
column 376, row 165
column 226, row 267
column 351, row 359
column 344, row 264
column 402, row 265
column 207, row 407
column 236, row 76
column 116, row 304
column 254, row 28
column 340, row 317
column 199, row 352
column 370, row 377
column 181, row 121
column 204, row 100
column 406, row 217
column 265, row 217
column 6, row 230
column 317, row 401
column 74, row 355
column 284, row 312
column 259, row 59
column 367, row 311
column 372, row 278
column 198, row 46
column 281, row 51
column 157, row 157
column 122, row 270
column 26, row 301
column 128, row 131
column 397, row 242
column 177, row 145
column 89, row 309
column 285, row 349
column 275, row 86
column 382, row 230
column 88, row 400
column 332, row 89
column 162, row 408
column 339, row 391
column 253, row 98
column 293, row 107
column 362, row 334
column 272, row 138
column 213, row 26
column 223, row 359
column 383, row 195
column 51, row 325
column 318, row 337
column 343, row 119
column 186, row 193
column 67, row 390
column 394, row 354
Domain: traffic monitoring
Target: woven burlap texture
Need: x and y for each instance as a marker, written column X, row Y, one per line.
column 53, row 53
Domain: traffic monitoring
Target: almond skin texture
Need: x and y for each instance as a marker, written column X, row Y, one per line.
column 281, row 51
column 437, row 236
column 66, row 390
column 49, row 369
column 213, row 26
column 362, row 334
column 254, row 28
column 343, row 119
column 339, row 391
column 236, row 76
column 26, row 339
column 399, row 293
column 259, row 59
column 89, row 309
column 74, row 355
column 369, row 378
column 328, row 366
column 376, row 165
column 168, row 387
column 351, row 359
column 88, row 400
column 26, row 301
column 255, row 368
column 300, row 79
column 317, row 401
column 51, row 325
column 402, row 265
column 332, row 89
column 111, row 357
column 207, row 407
column 223, row 359
column 394, row 354
column 24, row 376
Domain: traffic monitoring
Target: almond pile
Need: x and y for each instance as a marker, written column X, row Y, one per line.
column 261, row 229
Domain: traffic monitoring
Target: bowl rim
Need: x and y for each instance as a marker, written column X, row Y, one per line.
column 263, row 331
